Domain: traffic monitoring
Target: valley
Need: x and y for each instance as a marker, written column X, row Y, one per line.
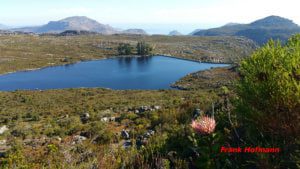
column 78, row 94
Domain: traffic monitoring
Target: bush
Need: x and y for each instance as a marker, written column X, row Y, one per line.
column 99, row 132
column 125, row 49
column 269, row 98
column 143, row 48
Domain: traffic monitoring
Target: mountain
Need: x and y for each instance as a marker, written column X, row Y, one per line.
column 26, row 29
column 260, row 31
column 135, row 31
column 78, row 23
column 274, row 22
column 175, row 33
column 231, row 24
column 195, row 31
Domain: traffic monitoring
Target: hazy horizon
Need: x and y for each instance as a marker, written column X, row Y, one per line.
column 151, row 28
column 155, row 17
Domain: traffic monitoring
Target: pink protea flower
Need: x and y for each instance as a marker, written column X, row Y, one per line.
column 204, row 125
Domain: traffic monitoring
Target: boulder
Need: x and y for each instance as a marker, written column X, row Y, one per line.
column 127, row 144
column 78, row 139
column 157, row 107
column 125, row 134
column 105, row 119
column 3, row 129
column 85, row 117
column 2, row 142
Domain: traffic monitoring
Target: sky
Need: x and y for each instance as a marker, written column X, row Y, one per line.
column 155, row 16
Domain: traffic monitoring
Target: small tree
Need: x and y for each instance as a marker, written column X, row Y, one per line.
column 269, row 98
column 125, row 49
column 143, row 48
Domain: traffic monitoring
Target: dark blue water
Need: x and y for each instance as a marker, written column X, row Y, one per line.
column 156, row 72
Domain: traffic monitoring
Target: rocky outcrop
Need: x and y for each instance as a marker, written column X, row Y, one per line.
column 135, row 32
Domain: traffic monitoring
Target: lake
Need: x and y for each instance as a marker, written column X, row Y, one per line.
column 120, row 73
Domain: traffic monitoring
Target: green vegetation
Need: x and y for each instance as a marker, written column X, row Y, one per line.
column 59, row 121
column 209, row 79
column 143, row 48
column 269, row 103
column 20, row 52
column 125, row 49
column 98, row 128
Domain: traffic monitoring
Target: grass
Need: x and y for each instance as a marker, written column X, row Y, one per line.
column 76, row 101
column 36, row 119
column 208, row 79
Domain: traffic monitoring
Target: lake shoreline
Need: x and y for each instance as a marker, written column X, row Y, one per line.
column 167, row 70
column 110, row 57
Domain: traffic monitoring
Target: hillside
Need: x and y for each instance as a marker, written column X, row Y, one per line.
column 30, row 52
column 79, row 23
column 260, row 31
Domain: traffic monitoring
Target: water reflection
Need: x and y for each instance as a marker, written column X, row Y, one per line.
column 142, row 63
column 156, row 72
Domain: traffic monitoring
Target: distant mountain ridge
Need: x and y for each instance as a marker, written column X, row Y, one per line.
column 175, row 33
column 260, row 31
column 77, row 23
column 195, row 31
column 274, row 21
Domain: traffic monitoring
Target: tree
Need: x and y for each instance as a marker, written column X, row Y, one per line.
column 125, row 49
column 143, row 48
column 269, row 97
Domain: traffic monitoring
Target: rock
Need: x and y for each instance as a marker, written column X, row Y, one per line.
column 197, row 113
column 141, row 142
column 105, row 119
column 127, row 144
column 151, row 132
column 147, row 135
column 3, row 129
column 78, row 139
column 2, row 142
column 125, row 134
column 157, row 107
column 85, row 117
column 144, row 109
column 112, row 119
column 58, row 138
column 108, row 119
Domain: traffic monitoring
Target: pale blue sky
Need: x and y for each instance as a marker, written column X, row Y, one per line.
column 157, row 15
